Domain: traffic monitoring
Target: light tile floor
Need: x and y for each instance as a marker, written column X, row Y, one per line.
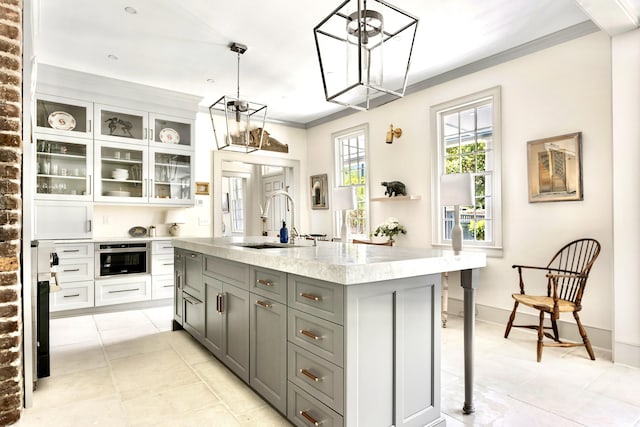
column 129, row 369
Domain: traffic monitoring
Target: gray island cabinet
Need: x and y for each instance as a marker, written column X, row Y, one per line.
column 331, row 335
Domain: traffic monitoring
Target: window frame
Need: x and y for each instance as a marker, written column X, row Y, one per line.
column 493, row 246
column 336, row 138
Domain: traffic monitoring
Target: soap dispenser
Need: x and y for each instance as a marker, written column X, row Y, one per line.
column 284, row 233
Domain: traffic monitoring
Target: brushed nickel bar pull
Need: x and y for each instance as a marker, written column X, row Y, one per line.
column 71, row 296
column 264, row 282
column 310, row 334
column 309, row 375
column 167, row 247
column 71, row 270
column 309, row 418
column 71, row 250
column 221, row 302
column 124, row 290
column 89, row 125
column 168, row 263
column 145, row 134
column 263, row 304
column 310, row 296
column 168, row 286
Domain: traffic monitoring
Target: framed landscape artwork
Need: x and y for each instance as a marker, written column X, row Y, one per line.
column 555, row 168
column 319, row 192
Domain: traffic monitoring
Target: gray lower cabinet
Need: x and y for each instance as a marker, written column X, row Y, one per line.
column 227, row 325
column 268, row 350
column 327, row 354
column 178, row 273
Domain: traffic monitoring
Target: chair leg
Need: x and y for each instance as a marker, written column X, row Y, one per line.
column 511, row 318
column 583, row 334
column 554, row 326
column 540, row 335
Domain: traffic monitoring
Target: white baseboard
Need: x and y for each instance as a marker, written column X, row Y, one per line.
column 568, row 330
column 627, row 354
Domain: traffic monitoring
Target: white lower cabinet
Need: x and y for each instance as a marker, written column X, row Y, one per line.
column 121, row 290
column 73, row 295
column 75, row 273
column 162, row 286
column 162, row 269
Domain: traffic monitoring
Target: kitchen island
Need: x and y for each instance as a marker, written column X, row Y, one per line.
column 333, row 334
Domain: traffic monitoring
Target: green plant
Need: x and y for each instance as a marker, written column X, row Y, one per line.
column 477, row 228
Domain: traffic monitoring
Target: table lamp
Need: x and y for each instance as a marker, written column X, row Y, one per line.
column 175, row 217
column 456, row 190
column 344, row 199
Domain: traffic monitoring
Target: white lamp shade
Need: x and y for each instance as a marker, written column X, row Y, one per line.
column 176, row 216
column 456, row 189
column 344, row 198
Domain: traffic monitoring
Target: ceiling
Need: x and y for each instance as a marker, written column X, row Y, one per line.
column 183, row 45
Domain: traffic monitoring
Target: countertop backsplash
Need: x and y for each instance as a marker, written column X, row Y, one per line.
column 114, row 222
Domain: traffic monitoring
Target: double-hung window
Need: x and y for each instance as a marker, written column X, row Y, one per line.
column 236, row 204
column 351, row 169
column 467, row 140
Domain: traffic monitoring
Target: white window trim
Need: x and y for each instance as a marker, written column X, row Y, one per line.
column 337, row 217
column 494, row 248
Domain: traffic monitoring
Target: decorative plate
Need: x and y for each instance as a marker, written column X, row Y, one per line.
column 137, row 231
column 62, row 121
column 169, row 136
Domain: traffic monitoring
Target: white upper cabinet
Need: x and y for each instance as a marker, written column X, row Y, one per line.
column 121, row 172
column 172, row 178
column 64, row 168
column 171, row 132
column 118, row 124
column 61, row 116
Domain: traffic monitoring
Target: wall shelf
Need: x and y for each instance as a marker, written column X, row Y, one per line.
column 395, row 199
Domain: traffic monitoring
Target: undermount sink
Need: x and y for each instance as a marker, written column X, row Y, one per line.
column 264, row 245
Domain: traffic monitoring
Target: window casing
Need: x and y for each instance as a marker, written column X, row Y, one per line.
column 351, row 169
column 236, row 204
column 467, row 139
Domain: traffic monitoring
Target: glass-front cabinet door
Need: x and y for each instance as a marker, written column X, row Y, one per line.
column 63, row 168
column 63, row 116
column 121, row 124
column 121, row 173
column 172, row 177
column 171, row 132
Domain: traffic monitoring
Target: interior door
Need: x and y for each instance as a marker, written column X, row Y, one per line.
column 278, row 206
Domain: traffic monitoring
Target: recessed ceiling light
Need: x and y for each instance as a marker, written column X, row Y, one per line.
column 113, row 57
column 131, row 10
column 211, row 81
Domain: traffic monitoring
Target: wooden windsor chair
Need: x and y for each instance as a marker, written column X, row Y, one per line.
column 567, row 275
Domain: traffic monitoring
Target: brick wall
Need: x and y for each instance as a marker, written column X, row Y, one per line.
column 10, row 210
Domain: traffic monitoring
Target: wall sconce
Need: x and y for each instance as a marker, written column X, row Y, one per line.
column 397, row 133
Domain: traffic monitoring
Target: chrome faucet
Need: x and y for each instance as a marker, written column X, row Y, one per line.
column 265, row 212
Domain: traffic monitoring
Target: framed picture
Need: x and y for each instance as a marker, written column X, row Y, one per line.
column 555, row 168
column 202, row 188
column 319, row 192
column 225, row 202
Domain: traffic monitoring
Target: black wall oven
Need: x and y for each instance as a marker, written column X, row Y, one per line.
column 116, row 259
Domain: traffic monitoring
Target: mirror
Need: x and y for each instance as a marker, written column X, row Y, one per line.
column 241, row 183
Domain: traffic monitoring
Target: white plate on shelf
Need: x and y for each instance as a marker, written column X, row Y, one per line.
column 169, row 136
column 62, row 121
column 118, row 193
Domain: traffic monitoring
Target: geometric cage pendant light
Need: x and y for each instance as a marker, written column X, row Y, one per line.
column 364, row 49
column 244, row 120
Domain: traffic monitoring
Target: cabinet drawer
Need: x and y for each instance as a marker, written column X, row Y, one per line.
column 319, row 336
column 75, row 270
column 162, row 286
column 193, row 316
column 304, row 410
column 162, row 247
column 228, row 271
column 269, row 283
column 322, row 299
column 72, row 295
column 322, row 379
column 161, row 264
column 121, row 290
column 74, row 250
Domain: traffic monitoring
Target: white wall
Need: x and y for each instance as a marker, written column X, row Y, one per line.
column 563, row 89
column 626, row 199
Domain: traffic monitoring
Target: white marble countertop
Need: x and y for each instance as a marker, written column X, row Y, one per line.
column 342, row 263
